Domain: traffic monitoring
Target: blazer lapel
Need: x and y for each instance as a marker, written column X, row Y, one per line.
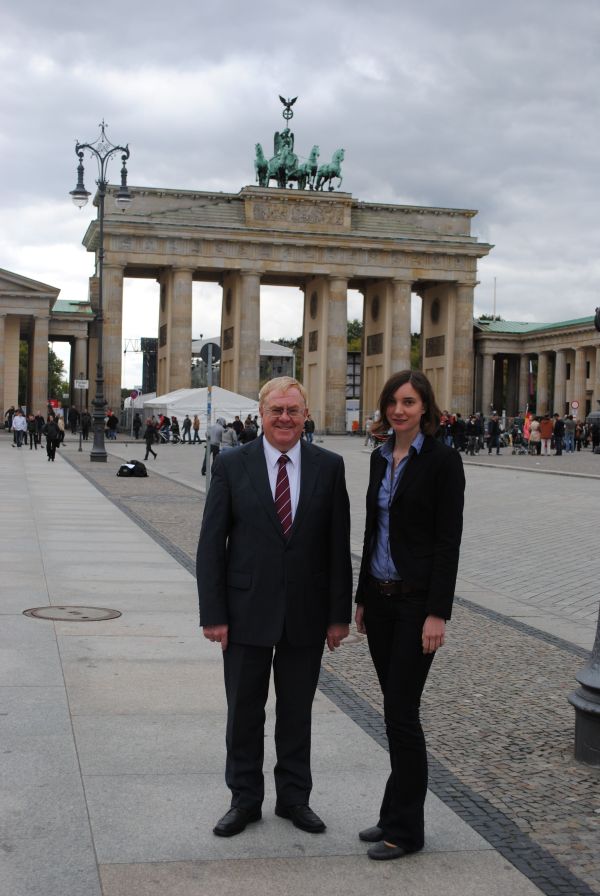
column 415, row 468
column 309, row 473
column 256, row 467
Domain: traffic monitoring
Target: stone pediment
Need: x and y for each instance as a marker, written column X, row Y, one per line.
column 17, row 286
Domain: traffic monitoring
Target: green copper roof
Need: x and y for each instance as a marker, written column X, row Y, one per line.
column 62, row 306
column 516, row 326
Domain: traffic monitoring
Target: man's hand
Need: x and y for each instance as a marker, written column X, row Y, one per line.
column 217, row 633
column 434, row 631
column 336, row 634
column 359, row 618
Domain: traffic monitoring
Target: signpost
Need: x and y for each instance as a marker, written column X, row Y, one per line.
column 135, row 393
column 81, row 385
column 209, row 352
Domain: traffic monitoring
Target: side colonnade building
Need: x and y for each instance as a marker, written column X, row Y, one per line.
column 545, row 367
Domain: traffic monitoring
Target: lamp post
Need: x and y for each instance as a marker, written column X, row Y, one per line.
column 102, row 150
column 586, row 699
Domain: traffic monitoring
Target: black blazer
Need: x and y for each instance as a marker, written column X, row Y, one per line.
column 249, row 577
column 425, row 523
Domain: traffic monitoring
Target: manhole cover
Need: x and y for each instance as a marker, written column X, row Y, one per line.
column 72, row 614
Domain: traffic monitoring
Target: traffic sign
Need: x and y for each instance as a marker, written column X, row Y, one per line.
column 575, row 404
column 134, row 393
column 215, row 350
column 82, row 384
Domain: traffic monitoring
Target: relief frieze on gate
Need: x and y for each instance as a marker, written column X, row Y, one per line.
column 209, row 249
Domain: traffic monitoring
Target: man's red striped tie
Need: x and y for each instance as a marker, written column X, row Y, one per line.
column 283, row 498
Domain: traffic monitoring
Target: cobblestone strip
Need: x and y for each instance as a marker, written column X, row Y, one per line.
column 499, row 728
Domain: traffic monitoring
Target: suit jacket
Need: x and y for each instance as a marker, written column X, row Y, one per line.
column 253, row 579
column 425, row 523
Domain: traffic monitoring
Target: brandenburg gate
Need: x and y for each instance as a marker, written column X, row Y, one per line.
column 324, row 243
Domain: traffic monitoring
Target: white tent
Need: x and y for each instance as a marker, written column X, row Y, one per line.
column 225, row 404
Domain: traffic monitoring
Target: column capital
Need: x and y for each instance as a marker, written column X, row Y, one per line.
column 109, row 263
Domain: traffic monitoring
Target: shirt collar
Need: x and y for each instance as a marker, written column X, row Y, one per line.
column 417, row 444
column 273, row 454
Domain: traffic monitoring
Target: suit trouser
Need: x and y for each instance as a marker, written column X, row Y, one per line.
column 394, row 628
column 295, row 676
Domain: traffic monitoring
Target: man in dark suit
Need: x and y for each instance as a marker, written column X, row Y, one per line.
column 274, row 583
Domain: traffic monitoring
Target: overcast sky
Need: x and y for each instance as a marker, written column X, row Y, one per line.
column 481, row 105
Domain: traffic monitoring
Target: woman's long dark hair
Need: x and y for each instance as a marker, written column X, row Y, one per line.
column 430, row 420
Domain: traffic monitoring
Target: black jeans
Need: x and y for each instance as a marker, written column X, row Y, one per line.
column 394, row 629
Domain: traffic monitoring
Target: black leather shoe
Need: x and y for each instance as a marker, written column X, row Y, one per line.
column 383, row 853
column 371, row 835
column 235, row 821
column 302, row 817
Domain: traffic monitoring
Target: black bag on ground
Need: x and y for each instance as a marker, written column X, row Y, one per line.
column 132, row 468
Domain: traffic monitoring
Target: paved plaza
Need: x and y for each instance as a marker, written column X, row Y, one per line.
column 113, row 731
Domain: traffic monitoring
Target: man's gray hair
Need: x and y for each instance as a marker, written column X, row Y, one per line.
column 281, row 384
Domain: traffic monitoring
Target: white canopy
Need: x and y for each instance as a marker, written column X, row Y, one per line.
column 225, row 404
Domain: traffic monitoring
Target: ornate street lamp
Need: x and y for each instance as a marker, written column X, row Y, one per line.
column 586, row 699
column 102, row 150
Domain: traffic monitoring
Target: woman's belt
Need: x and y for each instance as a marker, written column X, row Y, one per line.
column 392, row 587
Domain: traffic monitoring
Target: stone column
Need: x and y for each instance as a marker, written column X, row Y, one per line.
column 560, row 381
column 596, row 396
column 462, row 373
column 487, row 382
column 180, row 330
column 38, row 361
column 580, row 382
column 337, row 361
column 3, row 404
column 541, row 405
column 512, row 385
column 112, row 335
column 523, row 383
column 248, row 343
column 401, row 297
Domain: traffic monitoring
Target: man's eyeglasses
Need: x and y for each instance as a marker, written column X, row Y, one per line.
column 294, row 412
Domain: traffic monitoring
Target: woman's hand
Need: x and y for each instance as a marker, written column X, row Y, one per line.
column 434, row 631
column 359, row 618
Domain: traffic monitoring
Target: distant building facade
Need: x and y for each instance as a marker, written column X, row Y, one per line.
column 548, row 367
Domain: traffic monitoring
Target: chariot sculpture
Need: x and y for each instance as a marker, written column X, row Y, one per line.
column 286, row 169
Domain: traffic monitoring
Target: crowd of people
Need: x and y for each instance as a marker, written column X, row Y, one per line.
column 527, row 434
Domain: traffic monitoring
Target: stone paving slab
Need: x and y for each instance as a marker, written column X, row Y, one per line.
column 143, row 818
column 465, row 873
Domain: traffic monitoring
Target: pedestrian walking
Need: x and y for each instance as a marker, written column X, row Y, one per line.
column 52, row 433
column 149, row 438
column 196, row 428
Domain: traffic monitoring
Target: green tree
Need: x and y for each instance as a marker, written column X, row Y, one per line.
column 489, row 317
column 355, row 335
column 415, row 351
column 58, row 385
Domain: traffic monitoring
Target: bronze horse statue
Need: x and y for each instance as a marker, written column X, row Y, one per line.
column 332, row 169
column 261, row 166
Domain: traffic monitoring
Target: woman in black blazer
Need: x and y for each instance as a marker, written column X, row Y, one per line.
column 406, row 588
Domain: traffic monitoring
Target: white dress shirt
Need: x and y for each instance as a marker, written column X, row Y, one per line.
column 272, row 456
